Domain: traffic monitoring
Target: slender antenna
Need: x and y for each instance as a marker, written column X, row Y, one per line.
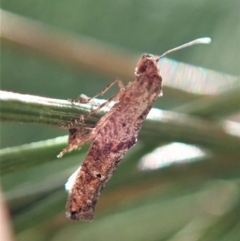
column 196, row 41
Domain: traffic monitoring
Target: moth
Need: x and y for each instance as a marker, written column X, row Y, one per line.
column 114, row 134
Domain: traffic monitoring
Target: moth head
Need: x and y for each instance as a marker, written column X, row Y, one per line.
column 148, row 64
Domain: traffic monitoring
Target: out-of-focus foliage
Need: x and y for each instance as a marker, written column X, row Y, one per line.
column 188, row 201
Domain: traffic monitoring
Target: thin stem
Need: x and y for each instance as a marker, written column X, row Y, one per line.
column 164, row 126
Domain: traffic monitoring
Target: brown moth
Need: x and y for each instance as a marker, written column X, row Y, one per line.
column 113, row 134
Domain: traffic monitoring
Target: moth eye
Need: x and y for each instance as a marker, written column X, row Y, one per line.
column 142, row 68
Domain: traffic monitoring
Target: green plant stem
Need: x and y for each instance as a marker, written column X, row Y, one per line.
column 214, row 107
column 160, row 125
column 38, row 110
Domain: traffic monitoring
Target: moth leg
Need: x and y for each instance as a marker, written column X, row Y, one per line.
column 112, row 98
column 77, row 138
column 85, row 99
column 83, row 117
column 120, row 85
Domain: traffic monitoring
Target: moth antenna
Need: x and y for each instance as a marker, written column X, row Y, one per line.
column 196, row 41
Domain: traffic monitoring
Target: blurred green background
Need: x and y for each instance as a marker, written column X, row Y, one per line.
column 143, row 206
